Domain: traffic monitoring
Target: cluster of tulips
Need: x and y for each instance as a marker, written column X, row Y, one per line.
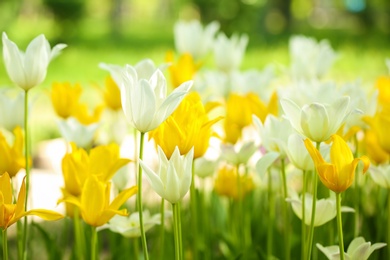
column 236, row 154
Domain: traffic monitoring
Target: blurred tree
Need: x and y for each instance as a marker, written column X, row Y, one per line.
column 67, row 14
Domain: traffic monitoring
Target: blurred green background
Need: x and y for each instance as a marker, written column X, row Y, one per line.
column 125, row 31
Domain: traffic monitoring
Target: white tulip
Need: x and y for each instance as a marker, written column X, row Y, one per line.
column 191, row 37
column 145, row 103
column 358, row 249
column 73, row 131
column 228, row 53
column 325, row 209
column 28, row 69
column 298, row 154
column 173, row 179
column 380, row 175
column 317, row 121
column 12, row 103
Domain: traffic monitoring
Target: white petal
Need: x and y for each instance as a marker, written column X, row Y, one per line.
column 315, row 122
column 153, row 179
column 293, row 113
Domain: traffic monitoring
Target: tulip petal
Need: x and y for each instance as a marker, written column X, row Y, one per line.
column 154, row 180
column 293, row 113
column 13, row 61
column 123, row 197
column 315, row 122
column 5, row 188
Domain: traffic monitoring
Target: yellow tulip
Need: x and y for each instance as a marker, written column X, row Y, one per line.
column 12, row 158
column 187, row 127
column 380, row 124
column 183, row 70
column 226, row 183
column 383, row 86
column 340, row 173
column 11, row 213
column 373, row 150
column 239, row 111
column 83, row 115
column 112, row 94
column 94, row 202
column 102, row 161
column 65, row 98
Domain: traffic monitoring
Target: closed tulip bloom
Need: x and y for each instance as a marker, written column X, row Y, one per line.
column 338, row 175
column 317, row 121
column 12, row 156
column 380, row 125
column 94, row 202
column 145, row 102
column 73, row 131
column 10, row 212
column 228, row 53
column 373, row 149
column 187, row 127
column 225, row 183
column 184, row 69
column 173, row 179
column 65, row 98
column 28, row 69
column 298, row 154
column 112, row 94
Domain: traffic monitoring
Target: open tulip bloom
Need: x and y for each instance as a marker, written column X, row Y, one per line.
column 317, row 121
column 145, row 101
column 28, row 69
column 173, row 179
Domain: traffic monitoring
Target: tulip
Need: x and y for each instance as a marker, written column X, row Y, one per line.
column 112, row 94
column 102, row 161
column 317, row 121
column 12, row 157
column 73, row 131
column 28, row 69
column 338, row 175
column 182, row 70
column 381, row 175
column 190, row 37
column 325, row 209
column 11, row 213
column 357, row 249
column 380, row 125
column 65, row 98
column 310, row 58
column 187, row 127
column 298, row 154
column 239, row 153
column 145, row 103
column 228, row 53
column 94, row 203
column 173, row 179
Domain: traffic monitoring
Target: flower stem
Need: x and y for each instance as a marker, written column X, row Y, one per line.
column 177, row 230
column 388, row 222
column 239, row 215
column 340, row 225
column 313, row 210
column 5, row 244
column 357, row 191
column 285, row 213
column 139, row 199
column 271, row 214
column 194, row 215
column 162, row 228
column 303, row 224
column 27, row 159
column 94, row 240
column 78, row 234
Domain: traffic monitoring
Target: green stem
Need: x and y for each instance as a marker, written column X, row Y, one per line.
column 271, row 215
column 94, row 240
column 194, row 212
column 180, row 232
column 303, row 224
column 162, row 228
column 5, row 244
column 135, row 152
column 357, row 192
column 239, row 218
column 388, row 222
column 27, row 159
column 340, row 225
column 176, row 230
column 285, row 213
column 313, row 210
column 136, row 248
column 139, row 199
column 78, row 234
